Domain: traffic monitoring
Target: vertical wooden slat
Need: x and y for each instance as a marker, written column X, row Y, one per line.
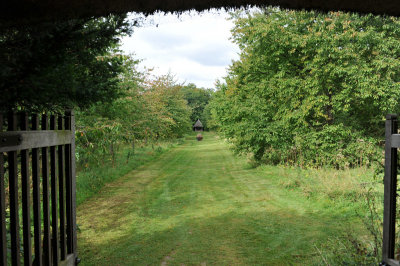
column 61, row 193
column 73, row 186
column 390, row 183
column 46, row 199
column 54, row 198
column 63, row 205
column 13, row 187
column 68, row 191
column 26, row 199
column 3, row 236
column 36, row 198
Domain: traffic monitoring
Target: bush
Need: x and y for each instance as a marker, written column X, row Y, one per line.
column 310, row 88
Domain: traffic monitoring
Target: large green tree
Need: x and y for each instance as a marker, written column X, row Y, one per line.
column 167, row 109
column 61, row 64
column 309, row 85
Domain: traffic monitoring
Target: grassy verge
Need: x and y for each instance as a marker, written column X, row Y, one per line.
column 352, row 194
column 91, row 179
column 198, row 204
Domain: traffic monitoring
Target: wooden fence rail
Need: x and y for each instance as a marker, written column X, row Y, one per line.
column 37, row 189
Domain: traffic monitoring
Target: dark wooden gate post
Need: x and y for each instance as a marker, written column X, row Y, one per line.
column 3, row 232
column 390, row 183
column 71, row 187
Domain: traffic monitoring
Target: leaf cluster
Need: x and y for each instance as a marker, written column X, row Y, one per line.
column 310, row 88
column 53, row 65
column 151, row 109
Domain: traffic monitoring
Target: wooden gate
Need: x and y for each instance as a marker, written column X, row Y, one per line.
column 392, row 142
column 37, row 189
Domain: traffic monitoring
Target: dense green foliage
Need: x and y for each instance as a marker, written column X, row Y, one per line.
column 53, row 65
column 310, row 88
column 168, row 112
column 151, row 109
column 197, row 99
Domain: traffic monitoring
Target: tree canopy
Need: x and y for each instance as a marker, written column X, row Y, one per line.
column 197, row 99
column 152, row 108
column 310, row 88
column 62, row 64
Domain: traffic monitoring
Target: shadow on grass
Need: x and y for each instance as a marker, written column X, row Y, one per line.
column 232, row 238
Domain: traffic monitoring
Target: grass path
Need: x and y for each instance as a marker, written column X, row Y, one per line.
column 200, row 205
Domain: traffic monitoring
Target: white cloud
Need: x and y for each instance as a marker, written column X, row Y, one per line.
column 196, row 48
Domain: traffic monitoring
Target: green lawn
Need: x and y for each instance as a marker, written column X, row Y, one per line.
column 198, row 204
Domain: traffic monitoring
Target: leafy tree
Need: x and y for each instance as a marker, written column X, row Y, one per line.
column 215, row 112
column 197, row 99
column 310, row 88
column 169, row 114
column 150, row 109
column 103, row 126
column 61, row 64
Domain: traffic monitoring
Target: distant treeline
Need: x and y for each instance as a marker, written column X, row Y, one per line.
column 150, row 109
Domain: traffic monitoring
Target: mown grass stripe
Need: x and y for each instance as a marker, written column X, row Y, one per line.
column 200, row 204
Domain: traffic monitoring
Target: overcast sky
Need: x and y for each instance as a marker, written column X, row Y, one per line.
column 195, row 47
